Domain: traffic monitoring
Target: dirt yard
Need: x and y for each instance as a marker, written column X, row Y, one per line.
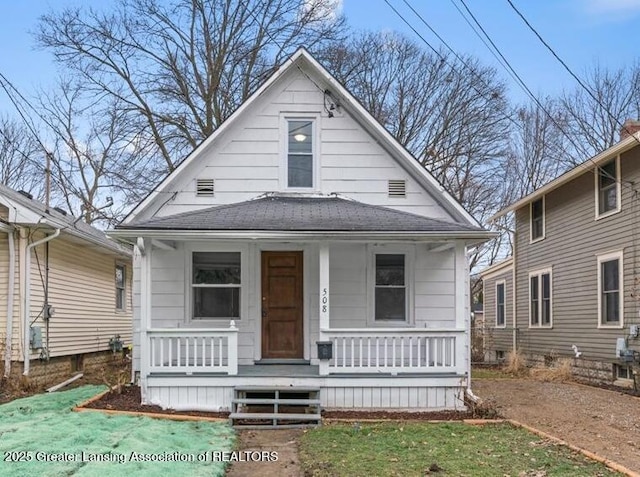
column 604, row 422
column 284, row 442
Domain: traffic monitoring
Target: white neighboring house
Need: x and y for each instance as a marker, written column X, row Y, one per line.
column 301, row 221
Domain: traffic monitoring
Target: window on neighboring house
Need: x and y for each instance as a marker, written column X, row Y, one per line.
column 300, row 153
column 121, row 289
column 622, row 372
column 608, row 187
column 500, row 303
column 390, row 287
column 537, row 219
column 610, row 297
column 540, row 307
column 216, row 284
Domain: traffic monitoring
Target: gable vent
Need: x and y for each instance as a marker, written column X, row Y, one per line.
column 204, row 187
column 397, row 188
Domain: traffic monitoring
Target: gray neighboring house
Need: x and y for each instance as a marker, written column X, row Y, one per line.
column 575, row 269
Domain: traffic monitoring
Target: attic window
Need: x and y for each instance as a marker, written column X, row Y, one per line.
column 204, row 188
column 397, row 188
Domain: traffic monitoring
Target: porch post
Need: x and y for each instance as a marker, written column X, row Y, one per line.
column 144, row 249
column 323, row 259
column 463, row 359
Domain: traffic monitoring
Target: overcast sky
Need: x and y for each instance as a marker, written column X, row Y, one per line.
column 582, row 32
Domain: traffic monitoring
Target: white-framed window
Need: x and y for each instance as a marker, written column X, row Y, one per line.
column 390, row 285
column 610, row 290
column 537, row 225
column 121, row 287
column 216, row 283
column 540, row 299
column 501, row 298
column 608, row 196
column 622, row 372
column 300, row 152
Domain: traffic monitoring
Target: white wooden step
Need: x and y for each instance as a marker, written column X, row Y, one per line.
column 283, row 401
column 256, row 416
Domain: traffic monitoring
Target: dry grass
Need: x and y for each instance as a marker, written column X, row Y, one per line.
column 515, row 363
column 559, row 371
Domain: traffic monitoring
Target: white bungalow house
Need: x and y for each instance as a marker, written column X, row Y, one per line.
column 300, row 252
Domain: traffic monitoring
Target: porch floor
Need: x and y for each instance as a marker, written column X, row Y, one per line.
column 276, row 370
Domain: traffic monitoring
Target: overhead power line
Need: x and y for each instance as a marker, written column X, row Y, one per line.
column 570, row 71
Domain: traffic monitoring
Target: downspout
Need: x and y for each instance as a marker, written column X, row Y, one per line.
column 515, row 294
column 10, row 293
column 27, row 298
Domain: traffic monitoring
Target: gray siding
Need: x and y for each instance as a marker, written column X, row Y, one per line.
column 573, row 241
column 498, row 338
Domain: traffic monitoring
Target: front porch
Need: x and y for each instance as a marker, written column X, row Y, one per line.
column 415, row 361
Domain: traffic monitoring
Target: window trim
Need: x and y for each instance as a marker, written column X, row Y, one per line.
column 607, row 257
column 409, row 277
column 314, row 117
column 596, row 174
column 544, row 220
column 124, row 288
column 538, row 273
column 504, row 304
column 189, row 286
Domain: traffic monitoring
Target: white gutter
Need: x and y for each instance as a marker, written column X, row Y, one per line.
column 169, row 234
column 26, row 302
column 10, row 294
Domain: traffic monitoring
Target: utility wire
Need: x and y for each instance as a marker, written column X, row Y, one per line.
column 566, row 67
column 571, row 139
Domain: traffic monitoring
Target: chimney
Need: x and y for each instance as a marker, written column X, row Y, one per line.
column 630, row 126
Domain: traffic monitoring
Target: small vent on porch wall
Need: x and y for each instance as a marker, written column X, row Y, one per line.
column 397, row 188
column 204, row 187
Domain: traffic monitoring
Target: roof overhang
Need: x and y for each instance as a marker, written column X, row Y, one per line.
column 587, row 166
column 496, row 268
column 131, row 235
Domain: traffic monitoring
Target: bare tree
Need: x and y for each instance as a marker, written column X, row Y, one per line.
column 177, row 69
column 21, row 158
column 96, row 154
column 596, row 123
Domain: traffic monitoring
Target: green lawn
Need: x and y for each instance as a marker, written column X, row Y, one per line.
column 409, row 449
column 46, row 438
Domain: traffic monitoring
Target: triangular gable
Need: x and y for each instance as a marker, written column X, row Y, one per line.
column 346, row 101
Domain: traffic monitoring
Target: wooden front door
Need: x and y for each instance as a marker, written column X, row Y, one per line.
column 282, row 305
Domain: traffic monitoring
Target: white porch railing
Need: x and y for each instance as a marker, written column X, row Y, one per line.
column 193, row 350
column 395, row 350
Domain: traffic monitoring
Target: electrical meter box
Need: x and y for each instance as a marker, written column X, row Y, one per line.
column 35, row 338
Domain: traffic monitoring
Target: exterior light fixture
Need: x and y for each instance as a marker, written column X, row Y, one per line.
column 300, row 137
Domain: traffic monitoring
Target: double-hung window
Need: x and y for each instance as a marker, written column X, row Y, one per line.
column 216, row 285
column 300, row 164
column 390, row 301
column 608, row 188
column 537, row 219
column 500, row 303
column 540, row 303
column 121, row 290
column 610, row 296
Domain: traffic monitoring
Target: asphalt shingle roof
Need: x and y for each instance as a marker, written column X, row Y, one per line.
column 70, row 223
column 287, row 213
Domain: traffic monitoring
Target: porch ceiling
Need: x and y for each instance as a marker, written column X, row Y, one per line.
column 302, row 214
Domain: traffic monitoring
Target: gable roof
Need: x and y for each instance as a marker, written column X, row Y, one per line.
column 287, row 212
column 582, row 168
column 26, row 211
column 303, row 58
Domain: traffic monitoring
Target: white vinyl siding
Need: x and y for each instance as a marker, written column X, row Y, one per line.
column 250, row 158
column 608, row 194
column 82, row 291
column 540, row 299
column 610, row 292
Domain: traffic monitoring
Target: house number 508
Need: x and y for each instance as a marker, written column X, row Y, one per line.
column 325, row 300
